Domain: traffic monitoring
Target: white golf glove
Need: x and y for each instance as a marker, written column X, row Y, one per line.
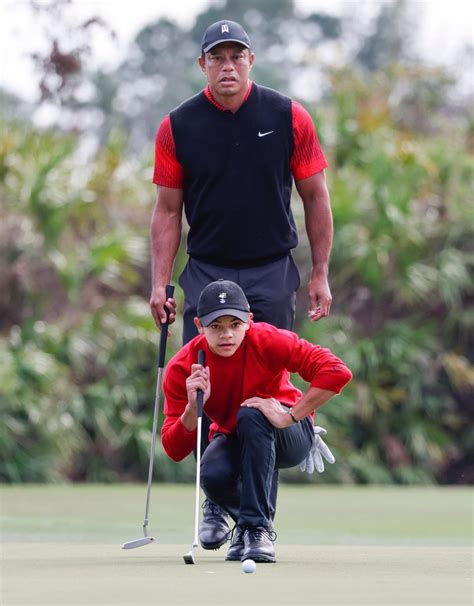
column 314, row 460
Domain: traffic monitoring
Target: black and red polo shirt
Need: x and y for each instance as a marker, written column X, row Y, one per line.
column 236, row 171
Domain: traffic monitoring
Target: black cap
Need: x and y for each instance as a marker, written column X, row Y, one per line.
column 224, row 31
column 222, row 298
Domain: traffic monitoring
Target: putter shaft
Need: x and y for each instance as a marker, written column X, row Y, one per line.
column 189, row 557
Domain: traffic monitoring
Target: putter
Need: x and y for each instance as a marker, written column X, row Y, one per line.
column 189, row 557
column 146, row 540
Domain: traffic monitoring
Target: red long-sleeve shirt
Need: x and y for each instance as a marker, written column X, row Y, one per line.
column 260, row 368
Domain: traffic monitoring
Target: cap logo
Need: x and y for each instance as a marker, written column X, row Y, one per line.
column 224, row 28
column 222, row 297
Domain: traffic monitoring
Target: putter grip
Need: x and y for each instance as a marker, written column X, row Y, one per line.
column 169, row 290
column 200, row 395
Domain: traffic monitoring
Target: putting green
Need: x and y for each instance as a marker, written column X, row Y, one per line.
column 342, row 545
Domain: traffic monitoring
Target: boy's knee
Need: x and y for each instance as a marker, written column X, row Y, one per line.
column 249, row 418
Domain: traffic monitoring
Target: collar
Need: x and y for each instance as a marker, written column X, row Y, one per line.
column 208, row 94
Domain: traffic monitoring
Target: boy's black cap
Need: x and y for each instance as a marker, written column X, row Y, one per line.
column 224, row 31
column 222, row 298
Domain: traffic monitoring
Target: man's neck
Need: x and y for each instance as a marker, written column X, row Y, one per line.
column 232, row 103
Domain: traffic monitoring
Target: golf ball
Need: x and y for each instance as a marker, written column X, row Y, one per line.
column 248, row 566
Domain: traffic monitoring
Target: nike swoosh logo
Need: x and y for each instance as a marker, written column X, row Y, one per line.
column 265, row 134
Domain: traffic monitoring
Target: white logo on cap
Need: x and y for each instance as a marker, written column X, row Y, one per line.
column 223, row 295
column 224, row 28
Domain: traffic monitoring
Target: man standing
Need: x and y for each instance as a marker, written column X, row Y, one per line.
column 229, row 156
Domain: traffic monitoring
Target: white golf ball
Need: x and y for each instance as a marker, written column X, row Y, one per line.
column 248, row 566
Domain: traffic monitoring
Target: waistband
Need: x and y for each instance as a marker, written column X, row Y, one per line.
column 241, row 264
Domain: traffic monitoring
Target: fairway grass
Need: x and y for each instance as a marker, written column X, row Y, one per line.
column 341, row 545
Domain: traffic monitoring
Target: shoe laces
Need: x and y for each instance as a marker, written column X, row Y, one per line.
column 258, row 533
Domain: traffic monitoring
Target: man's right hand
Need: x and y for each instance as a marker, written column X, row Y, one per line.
column 157, row 306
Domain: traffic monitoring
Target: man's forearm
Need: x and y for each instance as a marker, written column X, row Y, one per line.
column 319, row 227
column 165, row 239
column 318, row 219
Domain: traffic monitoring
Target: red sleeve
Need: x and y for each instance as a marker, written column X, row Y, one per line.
column 177, row 441
column 314, row 364
column 318, row 366
column 168, row 171
column 308, row 157
column 331, row 372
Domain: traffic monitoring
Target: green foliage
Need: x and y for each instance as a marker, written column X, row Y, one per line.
column 40, row 433
column 78, row 346
column 401, row 279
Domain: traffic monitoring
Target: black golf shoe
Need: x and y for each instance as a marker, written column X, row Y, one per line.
column 214, row 530
column 258, row 544
column 236, row 549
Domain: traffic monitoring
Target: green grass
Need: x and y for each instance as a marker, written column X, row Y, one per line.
column 337, row 545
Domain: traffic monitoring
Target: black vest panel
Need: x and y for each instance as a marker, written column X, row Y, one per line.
column 237, row 188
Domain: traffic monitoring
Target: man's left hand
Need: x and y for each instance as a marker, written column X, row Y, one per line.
column 320, row 298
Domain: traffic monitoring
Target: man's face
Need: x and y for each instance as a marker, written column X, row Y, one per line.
column 225, row 334
column 227, row 68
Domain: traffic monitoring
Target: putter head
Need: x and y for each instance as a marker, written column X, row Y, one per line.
column 189, row 557
column 138, row 543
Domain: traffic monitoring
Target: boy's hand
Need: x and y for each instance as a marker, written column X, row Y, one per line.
column 272, row 409
column 198, row 379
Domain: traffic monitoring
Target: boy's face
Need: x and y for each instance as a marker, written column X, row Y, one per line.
column 225, row 334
